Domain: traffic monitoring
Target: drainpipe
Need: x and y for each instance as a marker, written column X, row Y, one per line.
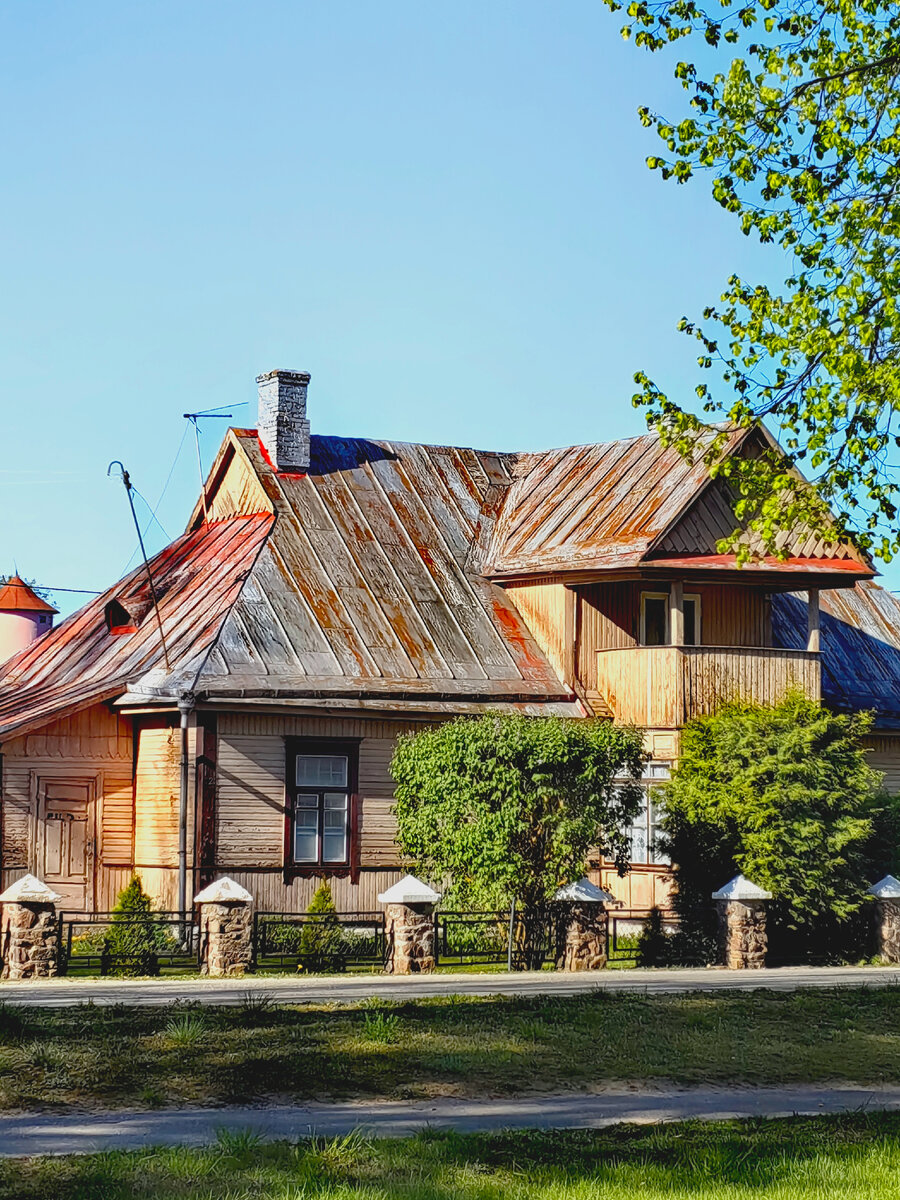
column 185, row 707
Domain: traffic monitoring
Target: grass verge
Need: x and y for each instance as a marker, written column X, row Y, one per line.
column 855, row 1157
column 103, row 1057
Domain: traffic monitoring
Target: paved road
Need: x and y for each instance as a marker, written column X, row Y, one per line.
column 51, row 1134
column 349, row 989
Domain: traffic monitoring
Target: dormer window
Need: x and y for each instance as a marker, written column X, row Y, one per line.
column 118, row 619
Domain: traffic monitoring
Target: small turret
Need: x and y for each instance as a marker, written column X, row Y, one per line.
column 24, row 616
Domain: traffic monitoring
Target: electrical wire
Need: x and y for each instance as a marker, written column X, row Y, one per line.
column 159, row 501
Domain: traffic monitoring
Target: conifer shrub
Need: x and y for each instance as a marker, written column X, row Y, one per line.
column 136, row 935
column 782, row 794
column 321, row 938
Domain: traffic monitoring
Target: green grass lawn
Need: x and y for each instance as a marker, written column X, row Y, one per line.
column 854, row 1158
column 106, row 1057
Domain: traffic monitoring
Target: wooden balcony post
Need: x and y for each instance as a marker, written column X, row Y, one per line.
column 676, row 613
column 812, row 637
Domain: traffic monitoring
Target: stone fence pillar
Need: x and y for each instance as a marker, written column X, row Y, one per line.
column 29, row 930
column 887, row 907
column 409, row 911
column 582, row 942
column 226, row 928
column 742, row 923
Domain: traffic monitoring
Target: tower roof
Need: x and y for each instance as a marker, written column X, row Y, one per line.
column 17, row 596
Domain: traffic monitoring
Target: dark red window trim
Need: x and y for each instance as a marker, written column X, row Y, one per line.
column 301, row 745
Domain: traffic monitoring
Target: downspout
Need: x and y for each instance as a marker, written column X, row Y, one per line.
column 185, row 707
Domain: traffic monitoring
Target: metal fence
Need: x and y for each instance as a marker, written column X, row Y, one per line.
column 107, row 943
column 320, row 942
column 625, row 928
column 480, row 938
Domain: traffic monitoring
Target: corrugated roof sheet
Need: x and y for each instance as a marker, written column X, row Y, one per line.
column 860, row 640
column 592, row 507
column 364, row 586
column 197, row 579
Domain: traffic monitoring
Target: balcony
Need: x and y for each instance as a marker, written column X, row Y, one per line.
column 662, row 687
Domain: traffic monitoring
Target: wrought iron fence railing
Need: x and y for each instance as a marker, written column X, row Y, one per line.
column 114, row 943
column 626, row 926
column 480, row 938
column 320, row 941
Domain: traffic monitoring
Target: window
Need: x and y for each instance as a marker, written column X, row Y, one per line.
column 643, row 832
column 654, row 619
column 692, row 621
column 321, row 779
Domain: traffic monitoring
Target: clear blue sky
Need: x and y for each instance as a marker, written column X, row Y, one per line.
column 442, row 212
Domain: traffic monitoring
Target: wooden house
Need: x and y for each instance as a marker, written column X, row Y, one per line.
column 331, row 594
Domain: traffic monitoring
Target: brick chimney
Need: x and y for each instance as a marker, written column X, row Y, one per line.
column 282, row 424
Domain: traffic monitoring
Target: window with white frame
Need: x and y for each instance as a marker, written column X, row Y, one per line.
column 643, row 833
column 321, row 783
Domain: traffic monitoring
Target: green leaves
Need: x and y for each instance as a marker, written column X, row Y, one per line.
column 799, row 131
column 783, row 795
column 500, row 807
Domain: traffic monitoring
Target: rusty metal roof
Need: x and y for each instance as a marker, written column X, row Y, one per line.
column 363, row 588
column 626, row 504
column 197, row 579
column 860, row 639
column 591, row 507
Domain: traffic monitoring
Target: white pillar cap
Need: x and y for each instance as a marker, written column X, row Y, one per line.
column 409, row 890
column 740, row 888
column 885, row 889
column 29, row 890
column 584, row 892
column 223, row 891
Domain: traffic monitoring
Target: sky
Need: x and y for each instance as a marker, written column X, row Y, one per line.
column 442, row 212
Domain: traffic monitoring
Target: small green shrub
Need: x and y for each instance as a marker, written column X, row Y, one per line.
column 320, row 938
column 136, row 935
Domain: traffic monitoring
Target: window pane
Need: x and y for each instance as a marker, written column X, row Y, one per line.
column 321, row 770
column 307, row 801
column 306, row 834
column 334, row 834
column 655, row 631
column 690, row 622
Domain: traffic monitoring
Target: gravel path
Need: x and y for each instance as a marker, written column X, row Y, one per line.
column 348, row 989
column 28, row 1134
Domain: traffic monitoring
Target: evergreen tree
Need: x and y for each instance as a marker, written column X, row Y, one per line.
column 320, row 939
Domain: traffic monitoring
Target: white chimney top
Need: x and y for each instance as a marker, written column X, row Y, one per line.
column 281, row 422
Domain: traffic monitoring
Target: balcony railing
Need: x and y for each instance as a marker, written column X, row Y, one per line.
column 664, row 686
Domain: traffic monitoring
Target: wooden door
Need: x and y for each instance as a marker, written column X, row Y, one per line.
column 68, row 843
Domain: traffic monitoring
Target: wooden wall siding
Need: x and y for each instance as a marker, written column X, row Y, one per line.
column 544, row 605
column 641, row 888
column 156, row 799
column 251, row 785
column 711, row 518
column 238, row 491
column 271, row 894
column 884, row 756
column 733, row 616
column 93, row 744
column 663, row 686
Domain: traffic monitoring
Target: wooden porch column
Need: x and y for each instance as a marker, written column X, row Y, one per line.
column 676, row 613
column 812, row 637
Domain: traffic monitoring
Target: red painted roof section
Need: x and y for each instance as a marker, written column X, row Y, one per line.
column 728, row 562
column 197, row 579
column 17, row 596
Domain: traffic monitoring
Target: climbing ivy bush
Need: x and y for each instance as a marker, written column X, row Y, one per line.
column 502, row 808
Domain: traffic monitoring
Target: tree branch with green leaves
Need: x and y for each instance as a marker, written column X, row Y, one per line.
column 796, row 123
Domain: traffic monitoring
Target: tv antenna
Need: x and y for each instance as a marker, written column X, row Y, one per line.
column 208, row 414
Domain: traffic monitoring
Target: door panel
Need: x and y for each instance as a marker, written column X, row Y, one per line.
column 68, row 860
